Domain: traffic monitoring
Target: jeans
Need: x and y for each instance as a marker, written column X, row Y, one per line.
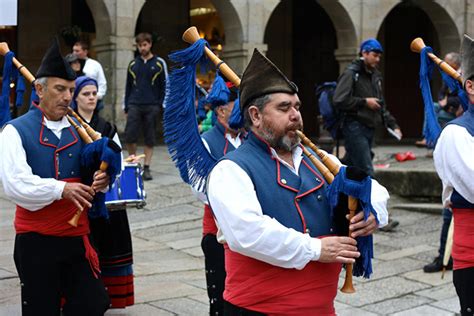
column 358, row 140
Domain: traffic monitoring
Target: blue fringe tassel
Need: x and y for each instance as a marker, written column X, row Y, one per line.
column 219, row 94
column 362, row 191
column 432, row 129
column 236, row 119
column 455, row 87
column 181, row 132
column 90, row 155
column 20, row 90
column 201, row 111
column 5, row 97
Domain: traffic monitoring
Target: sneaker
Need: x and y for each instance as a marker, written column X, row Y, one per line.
column 437, row 265
column 390, row 226
column 147, row 175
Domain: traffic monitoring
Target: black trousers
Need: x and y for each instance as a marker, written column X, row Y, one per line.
column 232, row 310
column 463, row 280
column 52, row 267
column 215, row 273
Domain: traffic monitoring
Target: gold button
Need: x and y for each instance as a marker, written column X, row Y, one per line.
column 283, row 181
column 72, row 172
column 307, row 230
column 70, row 155
column 297, row 200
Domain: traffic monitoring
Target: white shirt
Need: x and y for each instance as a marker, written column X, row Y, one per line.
column 20, row 184
column 454, row 161
column 93, row 69
column 251, row 233
column 236, row 142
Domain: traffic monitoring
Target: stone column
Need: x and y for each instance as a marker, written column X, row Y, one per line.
column 345, row 56
column 238, row 55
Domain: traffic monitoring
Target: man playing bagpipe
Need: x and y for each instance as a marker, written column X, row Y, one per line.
column 453, row 158
column 282, row 254
column 40, row 167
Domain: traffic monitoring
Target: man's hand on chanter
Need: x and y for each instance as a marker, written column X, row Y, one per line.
column 338, row 249
column 360, row 227
column 80, row 194
column 101, row 181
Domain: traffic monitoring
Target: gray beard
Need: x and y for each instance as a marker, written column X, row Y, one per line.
column 278, row 143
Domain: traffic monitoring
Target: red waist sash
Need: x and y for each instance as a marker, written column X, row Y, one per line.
column 261, row 287
column 463, row 239
column 52, row 220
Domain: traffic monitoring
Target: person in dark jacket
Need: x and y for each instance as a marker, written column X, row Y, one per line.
column 144, row 95
column 359, row 97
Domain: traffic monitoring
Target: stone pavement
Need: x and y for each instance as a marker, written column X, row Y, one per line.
column 169, row 262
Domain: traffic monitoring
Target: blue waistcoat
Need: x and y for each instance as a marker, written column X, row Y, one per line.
column 466, row 121
column 48, row 156
column 219, row 145
column 297, row 202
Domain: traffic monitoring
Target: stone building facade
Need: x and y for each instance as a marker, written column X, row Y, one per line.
column 311, row 40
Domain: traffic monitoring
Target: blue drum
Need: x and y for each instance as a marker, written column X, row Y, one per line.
column 127, row 190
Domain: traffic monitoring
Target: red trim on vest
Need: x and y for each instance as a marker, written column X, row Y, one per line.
column 463, row 239
column 52, row 220
column 279, row 178
column 208, row 223
column 261, row 287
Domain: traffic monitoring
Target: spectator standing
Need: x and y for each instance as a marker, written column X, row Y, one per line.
column 144, row 95
column 92, row 69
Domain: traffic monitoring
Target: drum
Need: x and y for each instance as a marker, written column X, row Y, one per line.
column 127, row 190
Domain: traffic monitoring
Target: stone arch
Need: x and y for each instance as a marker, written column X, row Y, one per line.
column 441, row 15
column 102, row 20
column 231, row 20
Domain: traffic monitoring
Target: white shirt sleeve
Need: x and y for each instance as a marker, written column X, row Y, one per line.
column 20, row 184
column 453, row 159
column 93, row 69
column 247, row 231
column 379, row 197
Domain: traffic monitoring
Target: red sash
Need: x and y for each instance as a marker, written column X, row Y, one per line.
column 261, row 287
column 463, row 240
column 208, row 224
column 52, row 220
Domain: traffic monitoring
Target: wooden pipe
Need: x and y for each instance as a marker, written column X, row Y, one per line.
column 88, row 135
column 191, row 35
column 417, row 45
column 4, row 49
column 325, row 166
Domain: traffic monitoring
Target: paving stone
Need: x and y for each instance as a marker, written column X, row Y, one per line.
column 202, row 298
column 450, row 304
column 11, row 310
column 404, row 252
column 199, row 283
column 383, row 269
column 439, row 293
column 353, row 311
column 185, row 243
column 151, row 291
column 7, row 232
column 140, row 244
column 381, row 249
column 195, row 251
column 152, row 233
column 6, row 247
column 397, row 304
column 146, row 267
column 140, row 310
column 424, row 310
column 4, row 274
column 9, row 292
column 379, row 290
column 166, row 237
column 183, row 306
column 427, row 256
column 176, row 219
column 430, row 278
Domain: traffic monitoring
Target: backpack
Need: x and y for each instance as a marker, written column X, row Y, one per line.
column 331, row 117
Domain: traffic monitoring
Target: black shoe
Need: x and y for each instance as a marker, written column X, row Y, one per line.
column 147, row 175
column 437, row 265
column 390, row 226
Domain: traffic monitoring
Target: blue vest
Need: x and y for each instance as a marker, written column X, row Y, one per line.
column 297, row 202
column 466, row 121
column 218, row 144
column 48, row 156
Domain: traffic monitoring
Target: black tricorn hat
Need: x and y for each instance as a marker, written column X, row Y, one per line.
column 54, row 65
column 262, row 77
